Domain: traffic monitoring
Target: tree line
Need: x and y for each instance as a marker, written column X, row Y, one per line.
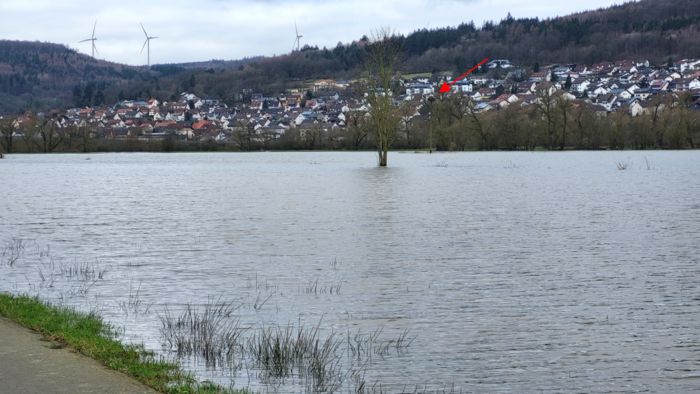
column 449, row 123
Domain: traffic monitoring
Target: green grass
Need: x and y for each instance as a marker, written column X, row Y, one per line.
column 89, row 335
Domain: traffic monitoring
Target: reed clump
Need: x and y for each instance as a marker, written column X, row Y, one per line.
column 12, row 251
column 298, row 350
column 212, row 332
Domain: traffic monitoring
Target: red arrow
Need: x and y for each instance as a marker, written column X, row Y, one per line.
column 446, row 87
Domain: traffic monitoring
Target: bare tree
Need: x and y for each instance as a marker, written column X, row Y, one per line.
column 407, row 112
column 563, row 107
column 244, row 134
column 85, row 133
column 382, row 55
column 659, row 103
column 476, row 124
column 357, row 128
column 545, row 104
column 312, row 135
column 679, row 123
column 7, row 128
column 50, row 132
column 617, row 136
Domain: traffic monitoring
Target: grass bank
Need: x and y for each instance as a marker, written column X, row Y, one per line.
column 89, row 335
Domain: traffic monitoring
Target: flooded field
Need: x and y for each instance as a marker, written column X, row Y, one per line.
column 465, row 272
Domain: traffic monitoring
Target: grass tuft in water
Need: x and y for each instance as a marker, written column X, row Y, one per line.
column 12, row 251
column 296, row 350
column 212, row 333
column 135, row 305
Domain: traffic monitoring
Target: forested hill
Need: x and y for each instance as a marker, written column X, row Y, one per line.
column 654, row 30
column 39, row 75
column 650, row 29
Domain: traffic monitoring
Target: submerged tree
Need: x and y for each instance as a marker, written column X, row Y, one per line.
column 384, row 117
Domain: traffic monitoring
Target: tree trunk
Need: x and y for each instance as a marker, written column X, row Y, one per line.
column 383, row 156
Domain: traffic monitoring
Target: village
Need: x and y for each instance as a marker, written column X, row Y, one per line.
column 329, row 106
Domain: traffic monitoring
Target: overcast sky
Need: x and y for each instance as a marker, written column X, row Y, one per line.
column 231, row 29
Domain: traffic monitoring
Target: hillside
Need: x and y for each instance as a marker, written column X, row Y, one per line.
column 36, row 75
column 654, row 30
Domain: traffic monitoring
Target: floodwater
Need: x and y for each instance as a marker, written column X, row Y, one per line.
column 513, row 272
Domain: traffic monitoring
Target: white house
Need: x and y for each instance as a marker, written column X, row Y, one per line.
column 626, row 94
column 694, row 84
column 417, row 89
column 500, row 63
column 600, row 91
column 690, row 65
column 582, row 86
column 642, row 94
column 463, row 86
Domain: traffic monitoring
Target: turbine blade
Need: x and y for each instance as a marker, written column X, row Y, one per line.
column 144, row 46
column 295, row 28
column 152, row 38
column 86, row 40
column 93, row 29
column 94, row 48
column 144, row 29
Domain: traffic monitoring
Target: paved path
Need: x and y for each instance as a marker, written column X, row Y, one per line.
column 29, row 365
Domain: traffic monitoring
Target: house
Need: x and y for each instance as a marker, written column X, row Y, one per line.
column 636, row 108
column 551, row 88
column 324, row 84
column 642, row 94
column 600, row 91
column 502, row 63
column 625, row 94
column 694, row 84
column 463, row 86
column 483, row 107
column 202, row 125
column 504, row 100
column 607, row 101
column 483, row 94
column 419, row 89
column 689, row 65
column 581, row 87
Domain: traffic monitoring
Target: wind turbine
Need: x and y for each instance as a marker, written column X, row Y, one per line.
column 147, row 43
column 92, row 39
column 297, row 41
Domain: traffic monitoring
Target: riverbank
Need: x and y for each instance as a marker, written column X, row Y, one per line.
column 85, row 334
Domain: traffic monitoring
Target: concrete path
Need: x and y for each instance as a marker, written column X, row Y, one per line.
column 29, row 364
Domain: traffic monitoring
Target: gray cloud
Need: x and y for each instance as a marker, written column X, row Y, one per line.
column 232, row 29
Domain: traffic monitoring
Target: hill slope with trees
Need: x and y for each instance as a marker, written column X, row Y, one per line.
column 36, row 76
